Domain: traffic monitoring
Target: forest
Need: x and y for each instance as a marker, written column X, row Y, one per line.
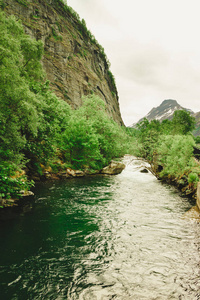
column 168, row 146
column 39, row 131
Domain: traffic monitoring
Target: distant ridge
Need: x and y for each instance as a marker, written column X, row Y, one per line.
column 164, row 111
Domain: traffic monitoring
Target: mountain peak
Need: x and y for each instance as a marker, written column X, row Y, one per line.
column 169, row 102
column 164, row 111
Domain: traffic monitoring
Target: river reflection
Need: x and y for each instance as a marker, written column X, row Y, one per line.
column 116, row 237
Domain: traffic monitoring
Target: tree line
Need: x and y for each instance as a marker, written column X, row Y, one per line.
column 37, row 129
column 168, row 146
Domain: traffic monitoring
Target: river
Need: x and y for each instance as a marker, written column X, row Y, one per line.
column 99, row 238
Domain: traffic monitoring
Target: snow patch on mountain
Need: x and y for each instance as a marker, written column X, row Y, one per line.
column 164, row 111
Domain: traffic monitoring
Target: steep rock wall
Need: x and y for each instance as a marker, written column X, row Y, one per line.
column 74, row 65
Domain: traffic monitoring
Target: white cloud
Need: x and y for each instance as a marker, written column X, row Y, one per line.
column 153, row 47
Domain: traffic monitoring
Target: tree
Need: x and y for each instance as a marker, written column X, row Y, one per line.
column 30, row 115
column 92, row 139
column 36, row 127
column 175, row 152
column 148, row 137
column 182, row 122
column 166, row 127
column 19, row 106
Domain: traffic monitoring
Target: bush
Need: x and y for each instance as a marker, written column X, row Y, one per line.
column 92, row 138
column 12, row 181
column 193, row 178
column 36, row 127
column 175, row 152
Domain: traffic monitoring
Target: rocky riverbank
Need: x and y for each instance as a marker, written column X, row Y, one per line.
column 187, row 187
column 114, row 168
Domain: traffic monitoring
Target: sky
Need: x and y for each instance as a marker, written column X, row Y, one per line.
column 153, row 47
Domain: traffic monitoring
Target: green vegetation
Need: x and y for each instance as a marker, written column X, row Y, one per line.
column 150, row 133
column 91, row 139
column 168, row 146
column 56, row 36
column 39, row 130
column 2, row 4
column 23, row 2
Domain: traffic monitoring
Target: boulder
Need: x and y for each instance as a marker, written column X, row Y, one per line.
column 71, row 172
column 79, row 173
column 113, row 168
column 144, row 170
column 26, row 193
column 64, row 175
column 75, row 173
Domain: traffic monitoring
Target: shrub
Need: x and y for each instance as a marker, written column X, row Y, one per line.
column 175, row 152
column 193, row 178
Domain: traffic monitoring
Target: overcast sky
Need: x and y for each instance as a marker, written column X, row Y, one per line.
column 153, row 47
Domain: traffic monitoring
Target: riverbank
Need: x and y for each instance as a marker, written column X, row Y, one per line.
column 113, row 237
column 181, row 183
column 114, row 168
column 185, row 181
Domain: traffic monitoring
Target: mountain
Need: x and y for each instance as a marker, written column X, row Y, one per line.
column 164, row 111
column 75, row 63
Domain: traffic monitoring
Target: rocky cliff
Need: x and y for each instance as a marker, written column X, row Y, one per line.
column 74, row 62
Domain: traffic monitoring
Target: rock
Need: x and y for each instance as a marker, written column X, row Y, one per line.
column 10, row 200
column 64, row 175
column 79, row 173
column 55, row 177
column 47, row 175
column 75, row 67
column 75, row 173
column 113, row 168
column 71, row 172
column 26, row 193
column 193, row 213
column 144, row 170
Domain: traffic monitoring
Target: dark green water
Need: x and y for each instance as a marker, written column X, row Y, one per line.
column 120, row 237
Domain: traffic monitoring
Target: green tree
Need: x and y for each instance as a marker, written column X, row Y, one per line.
column 182, row 122
column 80, row 144
column 166, row 127
column 112, row 138
column 31, row 117
column 149, row 133
column 36, row 127
column 19, row 106
column 175, row 153
column 92, row 139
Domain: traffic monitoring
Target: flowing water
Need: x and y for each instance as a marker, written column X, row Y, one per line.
column 116, row 237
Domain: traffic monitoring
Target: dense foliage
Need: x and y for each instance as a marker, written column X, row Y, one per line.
column 37, row 129
column 168, row 146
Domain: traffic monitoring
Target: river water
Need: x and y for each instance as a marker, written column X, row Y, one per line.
column 112, row 237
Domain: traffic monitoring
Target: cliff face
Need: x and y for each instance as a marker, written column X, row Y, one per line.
column 74, row 65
